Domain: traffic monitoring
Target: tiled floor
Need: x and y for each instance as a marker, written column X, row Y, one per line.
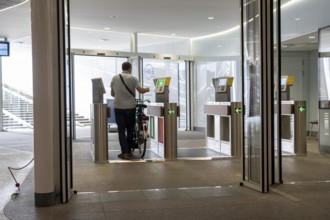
column 16, row 150
column 183, row 190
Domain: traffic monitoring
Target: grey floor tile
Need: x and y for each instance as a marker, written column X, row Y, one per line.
column 77, row 209
column 208, row 192
column 122, row 196
column 165, row 194
column 85, row 198
column 98, row 216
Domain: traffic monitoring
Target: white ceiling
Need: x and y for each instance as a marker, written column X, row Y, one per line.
column 185, row 18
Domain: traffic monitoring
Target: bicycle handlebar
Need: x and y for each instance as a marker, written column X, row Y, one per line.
column 142, row 101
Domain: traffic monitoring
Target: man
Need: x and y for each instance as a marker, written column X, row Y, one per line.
column 125, row 107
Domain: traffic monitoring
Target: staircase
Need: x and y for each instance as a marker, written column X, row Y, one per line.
column 82, row 121
column 18, row 110
column 10, row 123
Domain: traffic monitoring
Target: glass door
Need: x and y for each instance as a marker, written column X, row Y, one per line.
column 66, row 103
column 252, row 156
column 260, row 63
column 277, row 150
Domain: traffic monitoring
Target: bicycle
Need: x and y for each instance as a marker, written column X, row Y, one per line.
column 140, row 132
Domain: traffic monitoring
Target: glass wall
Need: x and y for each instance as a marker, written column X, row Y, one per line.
column 204, row 90
column 324, row 79
column 177, row 71
column 17, row 87
column 215, row 55
column 18, row 66
column 88, row 67
column 324, row 65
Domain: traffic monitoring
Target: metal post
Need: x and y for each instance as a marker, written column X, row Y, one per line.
column 170, row 124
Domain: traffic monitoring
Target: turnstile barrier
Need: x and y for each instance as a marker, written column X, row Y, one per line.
column 99, row 133
column 224, row 127
column 163, row 129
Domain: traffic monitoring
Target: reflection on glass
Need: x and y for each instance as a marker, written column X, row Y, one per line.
column 324, row 79
column 252, row 93
column 324, row 46
column 88, row 67
column 176, row 70
column 204, row 89
column 277, row 150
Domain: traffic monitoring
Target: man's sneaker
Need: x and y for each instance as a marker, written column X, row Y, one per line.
column 121, row 155
column 125, row 155
column 128, row 156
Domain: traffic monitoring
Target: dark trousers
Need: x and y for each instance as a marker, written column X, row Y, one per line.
column 125, row 119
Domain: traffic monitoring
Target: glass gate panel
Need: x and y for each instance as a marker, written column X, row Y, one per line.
column 261, row 74
column 153, row 68
column 252, row 158
column 277, row 150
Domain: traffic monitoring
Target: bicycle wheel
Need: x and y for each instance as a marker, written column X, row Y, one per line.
column 135, row 138
column 142, row 145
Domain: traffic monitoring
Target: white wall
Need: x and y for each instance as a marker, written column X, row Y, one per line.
column 304, row 66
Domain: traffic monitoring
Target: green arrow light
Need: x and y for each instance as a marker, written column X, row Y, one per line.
column 302, row 108
column 170, row 111
column 238, row 110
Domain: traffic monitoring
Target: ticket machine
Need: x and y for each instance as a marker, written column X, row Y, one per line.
column 293, row 120
column 222, row 86
column 99, row 124
column 223, row 120
column 163, row 121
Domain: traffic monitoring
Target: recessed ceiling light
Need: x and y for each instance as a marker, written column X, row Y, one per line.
column 297, row 19
column 113, row 16
column 106, row 28
column 104, row 39
column 211, row 18
column 311, row 37
column 173, row 34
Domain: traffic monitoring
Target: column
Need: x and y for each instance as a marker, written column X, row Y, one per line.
column 46, row 100
column 134, row 43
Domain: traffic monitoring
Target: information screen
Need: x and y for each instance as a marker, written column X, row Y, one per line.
column 4, row 48
column 160, row 83
column 222, row 82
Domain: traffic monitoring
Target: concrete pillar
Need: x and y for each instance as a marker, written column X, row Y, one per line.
column 45, row 100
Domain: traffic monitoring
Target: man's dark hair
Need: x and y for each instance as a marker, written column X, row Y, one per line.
column 126, row 66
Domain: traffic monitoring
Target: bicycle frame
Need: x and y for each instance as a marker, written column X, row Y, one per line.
column 141, row 128
column 142, row 119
